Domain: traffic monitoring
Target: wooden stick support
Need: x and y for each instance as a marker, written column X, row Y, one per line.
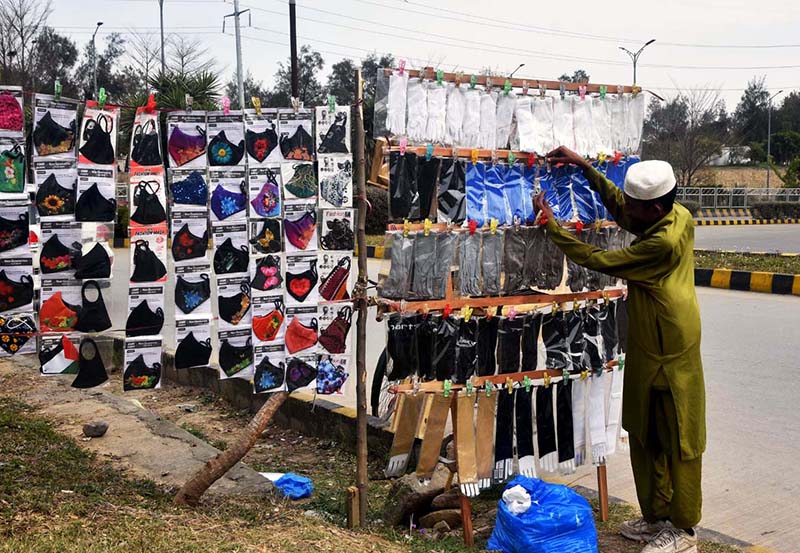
column 351, row 505
column 466, row 506
column 602, row 491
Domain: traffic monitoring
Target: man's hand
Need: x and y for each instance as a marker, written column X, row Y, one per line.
column 562, row 154
column 543, row 206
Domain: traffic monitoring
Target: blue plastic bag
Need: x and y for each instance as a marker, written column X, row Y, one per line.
column 583, row 198
column 563, row 184
column 512, row 188
column 558, row 521
column 294, row 486
column 496, row 205
column 476, row 193
column 528, row 189
column 546, row 181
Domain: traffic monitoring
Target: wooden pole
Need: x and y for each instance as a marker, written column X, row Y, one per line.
column 360, row 297
column 602, row 491
column 464, row 502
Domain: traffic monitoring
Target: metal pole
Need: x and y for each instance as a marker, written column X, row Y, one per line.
column 293, row 42
column 94, row 59
column 635, row 55
column 161, row 18
column 239, row 74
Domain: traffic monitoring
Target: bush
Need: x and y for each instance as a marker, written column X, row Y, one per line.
column 776, row 210
column 378, row 217
column 692, row 206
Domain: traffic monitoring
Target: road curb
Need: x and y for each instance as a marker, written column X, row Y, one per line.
column 748, row 281
column 748, row 253
column 722, row 222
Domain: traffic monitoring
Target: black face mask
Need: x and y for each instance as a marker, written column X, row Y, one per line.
column 339, row 236
column 300, row 285
column 268, row 376
column 147, row 266
column 145, row 145
column 95, row 264
column 149, row 210
column 143, row 322
column 138, row 376
column 54, row 199
column 51, row 138
column 299, row 146
column 97, row 146
column 191, row 295
column 268, row 240
column 192, row 353
column 336, row 139
column 93, row 316
column 15, row 294
column 299, row 374
column 91, row 370
column 14, row 232
column 92, row 206
column 261, row 144
column 234, row 359
column 228, row 259
column 56, row 257
column 222, row 151
column 233, row 308
column 268, row 274
column 16, row 330
column 186, row 245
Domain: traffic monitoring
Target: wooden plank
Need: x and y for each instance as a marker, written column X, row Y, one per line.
column 351, row 506
column 602, row 491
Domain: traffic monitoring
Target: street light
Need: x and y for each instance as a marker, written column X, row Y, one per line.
column 161, row 19
column 769, row 132
column 94, row 59
column 635, row 55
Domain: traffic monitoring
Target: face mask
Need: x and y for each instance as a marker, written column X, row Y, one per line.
column 11, row 118
column 222, row 151
column 183, row 147
column 268, row 376
column 51, row 138
column 339, row 237
column 192, row 190
column 261, row 144
column 299, row 374
column 334, row 189
column 225, row 203
column 60, row 359
column 15, row 294
column 234, row 308
column 149, row 210
column 299, row 146
column 147, row 267
column 192, row 353
column 301, row 231
column 266, row 328
column 330, row 377
column 138, row 376
column 299, row 336
column 303, row 183
column 14, row 233
column 143, row 322
column 54, row 199
column 15, row 332
column 268, row 201
column 234, row 359
column 146, row 151
column 191, row 295
column 95, row 264
column 228, row 259
column 186, row 245
column 12, row 170
column 55, row 314
column 268, row 274
column 92, row 206
column 97, row 146
column 300, row 285
column 335, row 140
column 93, row 316
column 56, row 257
column 268, row 239
column 91, row 370
column 334, row 338
column 334, row 286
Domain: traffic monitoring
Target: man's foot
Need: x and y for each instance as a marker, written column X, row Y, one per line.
column 641, row 530
column 672, row 540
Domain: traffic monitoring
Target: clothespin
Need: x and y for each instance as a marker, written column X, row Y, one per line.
column 562, row 90
column 226, row 105
column 575, row 306
column 582, row 92
column 467, row 313
column 447, row 310
column 401, row 67
column 57, row 90
column 578, row 227
column 621, row 362
column 511, row 157
column 488, row 387
column 473, row 80
column 415, row 384
column 555, row 308
column 509, row 385
column 524, row 88
column 406, row 228
column 512, row 313
column 256, row 101
column 474, row 156
column 101, row 97
column 331, row 104
column 459, row 78
column 189, row 100
column 429, row 152
column 455, row 152
column 542, row 90
column 403, row 145
column 296, row 104
column 494, row 157
column 439, row 77
column 150, row 106
column 469, row 387
column 531, row 160
column 620, row 90
column 488, row 84
column 636, row 90
column 601, row 157
column 507, row 87
column 603, row 90
column 427, row 226
column 493, row 225
column 584, row 374
column 473, row 226
column 526, row 381
column 617, row 157
column 606, row 297
column 447, row 385
column 546, row 380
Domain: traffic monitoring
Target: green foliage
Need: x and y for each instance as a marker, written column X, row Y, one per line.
column 309, row 64
column 578, row 76
column 743, row 261
column 776, row 210
column 252, row 88
column 750, row 117
column 378, row 216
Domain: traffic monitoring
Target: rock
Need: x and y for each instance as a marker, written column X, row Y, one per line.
column 187, row 407
column 95, row 429
column 442, row 527
column 451, row 499
column 451, row 516
column 408, row 496
column 483, row 532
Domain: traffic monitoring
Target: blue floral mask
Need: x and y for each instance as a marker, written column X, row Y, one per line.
column 225, row 203
column 222, row 151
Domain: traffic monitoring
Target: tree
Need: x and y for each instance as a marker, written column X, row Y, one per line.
column 750, row 117
column 309, row 64
column 20, row 23
column 578, row 76
column 342, row 81
column 117, row 80
column 369, row 71
column 54, row 58
column 186, row 56
column 144, row 52
column 787, row 117
column 252, row 88
column 785, row 146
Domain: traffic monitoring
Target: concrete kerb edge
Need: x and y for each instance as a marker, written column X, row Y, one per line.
column 724, row 222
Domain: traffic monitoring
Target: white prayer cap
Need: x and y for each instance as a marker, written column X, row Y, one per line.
column 648, row 180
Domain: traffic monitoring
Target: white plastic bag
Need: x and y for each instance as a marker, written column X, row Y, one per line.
column 616, row 110
column 634, row 118
column 563, row 131
column 417, row 111
column 471, row 126
column 601, row 123
column 488, row 120
column 525, row 127
column 505, row 115
column 437, row 110
column 396, row 103
column 583, row 126
column 542, row 108
column 455, row 115
column 517, row 499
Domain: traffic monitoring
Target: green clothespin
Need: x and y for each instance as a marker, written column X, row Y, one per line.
column 469, row 388
column 511, row 157
column 331, row 104
column 101, row 98
column 473, row 80
column 603, row 90
column 527, row 383
column 439, row 76
column 429, row 152
column 507, row 87
column 621, row 362
column 565, row 375
column 488, row 388
column 447, row 385
column 57, row 90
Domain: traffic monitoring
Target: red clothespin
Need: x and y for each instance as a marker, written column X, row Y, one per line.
column 447, row 311
column 578, row 228
column 617, row 157
column 582, row 92
column 473, row 226
column 531, row 160
column 401, row 67
column 150, row 106
column 512, row 313
column 226, row 105
column 403, row 145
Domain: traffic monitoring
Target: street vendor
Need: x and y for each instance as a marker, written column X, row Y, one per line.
column 663, row 406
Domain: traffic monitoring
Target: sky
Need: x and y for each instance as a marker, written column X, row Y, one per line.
column 705, row 44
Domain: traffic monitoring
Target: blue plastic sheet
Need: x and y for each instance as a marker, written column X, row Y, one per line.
column 496, row 205
column 294, row 486
column 528, row 189
column 513, row 190
column 558, row 521
column 583, row 198
column 547, row 182
column 476, row 193
column 563, row 185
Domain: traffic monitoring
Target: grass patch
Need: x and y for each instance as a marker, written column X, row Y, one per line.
column 222, row 445
column 376, row 240
column 746, row 262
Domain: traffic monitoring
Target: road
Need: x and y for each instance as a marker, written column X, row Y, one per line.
column 755, row 238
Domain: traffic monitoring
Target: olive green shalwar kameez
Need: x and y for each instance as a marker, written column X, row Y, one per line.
column 663, row 405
